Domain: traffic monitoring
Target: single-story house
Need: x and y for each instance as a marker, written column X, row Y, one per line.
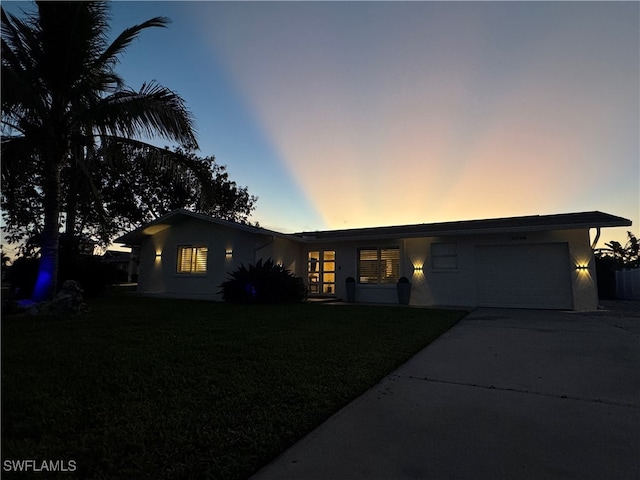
column 540, row 261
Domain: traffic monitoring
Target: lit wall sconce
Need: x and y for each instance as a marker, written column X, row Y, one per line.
column 228, row 253
column 417, row 268
column 158, row 255
column 582, row 267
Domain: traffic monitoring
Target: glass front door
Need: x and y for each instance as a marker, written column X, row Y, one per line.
column 322, row 272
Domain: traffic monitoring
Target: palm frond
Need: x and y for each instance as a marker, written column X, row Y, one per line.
column 21, row 93
column 152, row 111
column 61, row 92
column 122, row 41
column 74, row 35
column 119, row 150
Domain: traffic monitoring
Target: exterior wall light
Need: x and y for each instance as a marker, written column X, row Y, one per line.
column 417, row 268
column 158, row 255
column 228, row 253
column 582, row 267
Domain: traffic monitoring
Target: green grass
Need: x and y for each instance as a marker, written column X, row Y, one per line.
column 176, row 389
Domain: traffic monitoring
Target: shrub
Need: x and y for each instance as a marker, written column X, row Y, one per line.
column 88, row 270
column 265, row 282
column 21, row 275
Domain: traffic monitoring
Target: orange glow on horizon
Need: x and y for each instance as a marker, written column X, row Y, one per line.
column 413, row 132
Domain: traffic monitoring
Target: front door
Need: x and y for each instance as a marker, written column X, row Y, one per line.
column 322, row 272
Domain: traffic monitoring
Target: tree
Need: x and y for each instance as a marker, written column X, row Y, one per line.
column 622, row 257
column 61, row 97
column 130, row 190
column 5, row 260
column 137, row 190
column 615, row 257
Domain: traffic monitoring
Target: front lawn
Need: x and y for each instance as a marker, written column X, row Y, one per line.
column 176, row 389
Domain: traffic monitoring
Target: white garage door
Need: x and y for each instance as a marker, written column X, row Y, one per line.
column 524, row 276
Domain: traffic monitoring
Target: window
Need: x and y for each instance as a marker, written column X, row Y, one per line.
column 379, row 265
column 192, row 259
column 444, row 256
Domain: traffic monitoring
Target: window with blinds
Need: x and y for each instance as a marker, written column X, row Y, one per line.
column 192, row 259
column 379, row 265
column 368, row 266
column 389, row 265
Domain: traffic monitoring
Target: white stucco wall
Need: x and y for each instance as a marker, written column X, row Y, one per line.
column 584, row 281
column 286, row 252
column 430, row 286
column 158, row 275
column 459, row 287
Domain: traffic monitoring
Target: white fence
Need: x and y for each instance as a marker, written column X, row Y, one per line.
column 628, row 284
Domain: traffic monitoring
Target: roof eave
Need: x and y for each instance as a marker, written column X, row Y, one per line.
column 137, row 236
column 589, row 220
column 309, row 238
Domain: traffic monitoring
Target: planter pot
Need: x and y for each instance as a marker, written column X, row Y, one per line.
column 351, row 290
column 404, row 293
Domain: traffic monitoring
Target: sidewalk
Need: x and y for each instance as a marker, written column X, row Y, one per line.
column 505, row 394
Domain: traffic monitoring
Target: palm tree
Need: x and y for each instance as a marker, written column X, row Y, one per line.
column 61, row 97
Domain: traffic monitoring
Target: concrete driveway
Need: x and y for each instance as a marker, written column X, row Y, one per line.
column 505, row 394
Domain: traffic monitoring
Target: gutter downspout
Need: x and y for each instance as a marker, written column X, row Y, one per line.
column 593, row 247
column 595, row 240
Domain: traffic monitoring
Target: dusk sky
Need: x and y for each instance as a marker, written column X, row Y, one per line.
column 340, row 115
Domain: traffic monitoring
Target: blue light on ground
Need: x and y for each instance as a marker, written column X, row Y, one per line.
column 26, row 303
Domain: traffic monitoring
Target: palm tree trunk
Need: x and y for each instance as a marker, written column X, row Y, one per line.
column 72, row 206
column 47, row 280
column 69, row 247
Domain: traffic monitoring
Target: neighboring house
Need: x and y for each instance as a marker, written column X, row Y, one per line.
column 542, row 261
column 123, row 261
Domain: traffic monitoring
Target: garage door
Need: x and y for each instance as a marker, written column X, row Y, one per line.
column 524, row 276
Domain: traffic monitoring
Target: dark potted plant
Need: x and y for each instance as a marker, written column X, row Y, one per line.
column 351, row 289
column 404, row 291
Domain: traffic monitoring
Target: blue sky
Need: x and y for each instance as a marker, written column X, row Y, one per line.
column 351, row 114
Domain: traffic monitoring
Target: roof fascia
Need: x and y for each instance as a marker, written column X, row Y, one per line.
column 606, row 220
column 310, row 238
column 171, row 218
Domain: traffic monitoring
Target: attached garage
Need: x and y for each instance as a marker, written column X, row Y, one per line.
column 524, row 276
